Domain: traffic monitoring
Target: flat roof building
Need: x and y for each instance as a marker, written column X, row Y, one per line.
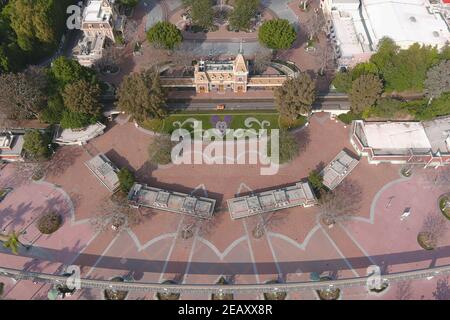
column 300, row 194
column 142, row 195
column 338, row 169
column 355, row 27
column 11, row 146
column 426, row 143
column 105, row 171
column 78, row 136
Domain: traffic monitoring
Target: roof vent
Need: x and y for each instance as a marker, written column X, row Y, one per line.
column 436, row 34
column 412, row 19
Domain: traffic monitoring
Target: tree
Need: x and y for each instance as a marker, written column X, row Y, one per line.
column 365, row 92
column 296, row 96
column 142, row 96
column 315, row 179
column 315, row 25
column 53, row 113
column 341, row 203
column 66, row 71
column 243, row 12
column 343, row 81
column 288, row 147
column 438, row 80
column 115, row 213
column 404, row 69
column 76, row 120
column 36, row 22
column 262, row 61
column 433, row 230
column 160, row 150
column 11, row 241
column 164, row 34
column 126, row 180
column 201, row 12
column 82, row 97
column 36, row 145
column 277, row 34
column 21, row 97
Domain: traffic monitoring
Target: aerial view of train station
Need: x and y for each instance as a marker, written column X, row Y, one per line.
column 225, row 150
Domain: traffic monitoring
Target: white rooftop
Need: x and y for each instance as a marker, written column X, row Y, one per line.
column 299, row 194
column 94, row 12
column 338, row 169
column 404, row 21
column 396, row 135
column 105, row 171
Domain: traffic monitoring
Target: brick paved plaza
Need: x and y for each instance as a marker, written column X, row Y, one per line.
column 295, row 245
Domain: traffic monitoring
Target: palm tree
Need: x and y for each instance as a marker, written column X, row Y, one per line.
column 11, row 241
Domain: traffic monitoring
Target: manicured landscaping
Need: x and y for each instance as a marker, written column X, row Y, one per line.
column 226, row 121
column 166, row 295
column 330, row 293
column 49, row 223
column 275, row 295
column 444, row 206
column 425, row 241
column 110, row 294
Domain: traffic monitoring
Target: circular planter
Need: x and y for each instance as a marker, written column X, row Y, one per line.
column 109, row 294
column 168, row 295
column 274, row 295
column 328, row 294
column 405, row 172
column 441, row 202
column 49, row 223
column 220, row 295
column 383, row 287
column 424, row 242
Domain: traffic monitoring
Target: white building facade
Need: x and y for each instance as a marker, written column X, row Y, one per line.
column 356, row 27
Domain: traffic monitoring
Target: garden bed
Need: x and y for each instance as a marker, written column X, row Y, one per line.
column 424, row 242
column 115, row 294
column 328, row 294
column 274, row 295
column 168, row 295
column 445, row 210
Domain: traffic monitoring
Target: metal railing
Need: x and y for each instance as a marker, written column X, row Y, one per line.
column 230, row 288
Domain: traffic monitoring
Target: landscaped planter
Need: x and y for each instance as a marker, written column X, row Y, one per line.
column 274, row 295
column 424, row 241
column 445, row 210
column 49, row 223
column 328, row 294
column 168, row 295
column 110, row 294
column 222, row 296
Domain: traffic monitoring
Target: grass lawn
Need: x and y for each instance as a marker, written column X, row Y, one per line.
column 269, row 120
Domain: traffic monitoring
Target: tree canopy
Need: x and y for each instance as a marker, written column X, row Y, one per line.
column 141, row 95
column 164, row 34
column 365, row 92
column 36, row 145
column 66, row 71
column 438, row 79
column 277, row 34
column 21, row 95
column 296, row 96
column 243, row 12
column 82, row 97
column 201, row 12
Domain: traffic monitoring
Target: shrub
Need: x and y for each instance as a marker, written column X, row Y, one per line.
column 126, row 179
column 36, row 145
column 164, row 34
column 77, row 120
column 277, row 34
column 315, row 179
column 49, row 223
